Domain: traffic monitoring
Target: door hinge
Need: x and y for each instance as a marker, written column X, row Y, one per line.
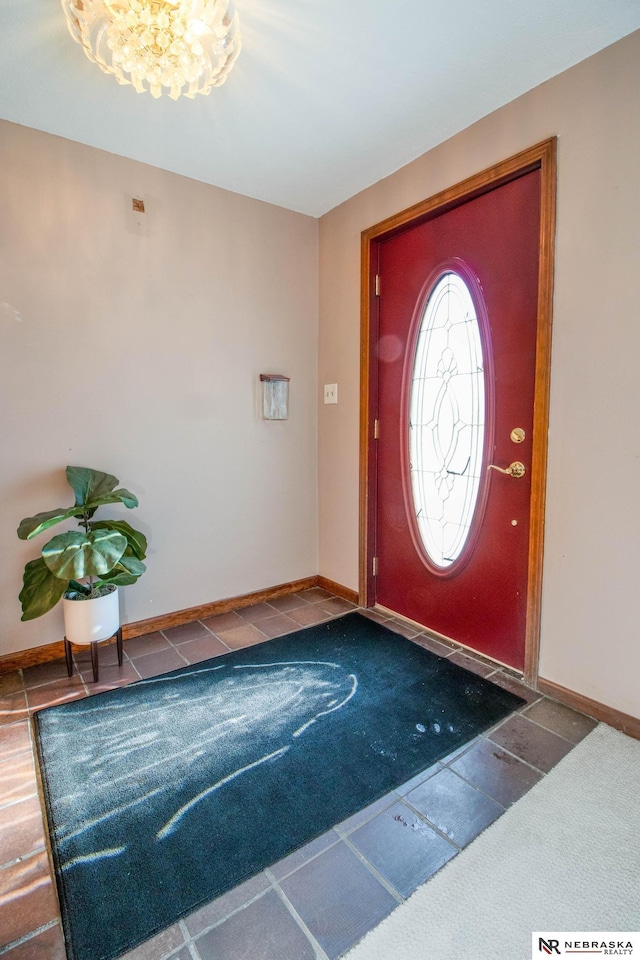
column 376, row 429
column 374, row 567
column 377, row 284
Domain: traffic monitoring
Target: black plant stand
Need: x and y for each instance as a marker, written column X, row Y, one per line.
column 94, row 653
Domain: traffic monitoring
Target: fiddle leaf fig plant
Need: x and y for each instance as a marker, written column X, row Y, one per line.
column 85, row 563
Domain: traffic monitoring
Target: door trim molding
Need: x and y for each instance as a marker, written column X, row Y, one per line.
column 541, row 157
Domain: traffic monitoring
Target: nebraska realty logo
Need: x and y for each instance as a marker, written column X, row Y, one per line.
column 580, row 944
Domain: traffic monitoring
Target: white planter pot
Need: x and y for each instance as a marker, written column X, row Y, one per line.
column 86, row 621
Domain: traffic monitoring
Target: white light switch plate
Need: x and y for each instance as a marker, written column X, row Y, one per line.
column 331, row 393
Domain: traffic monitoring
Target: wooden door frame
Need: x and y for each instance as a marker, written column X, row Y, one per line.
column 541, row 157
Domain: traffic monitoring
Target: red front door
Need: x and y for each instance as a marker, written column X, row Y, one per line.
column 452, row 534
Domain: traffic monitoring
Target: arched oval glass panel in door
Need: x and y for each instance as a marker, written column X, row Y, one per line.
column 447, row 422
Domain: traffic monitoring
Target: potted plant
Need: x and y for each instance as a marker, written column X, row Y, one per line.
column 85, row 567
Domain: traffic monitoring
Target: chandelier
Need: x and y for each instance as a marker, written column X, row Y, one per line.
column 184, row 47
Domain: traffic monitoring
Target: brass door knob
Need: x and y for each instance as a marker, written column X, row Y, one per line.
column 515, row 469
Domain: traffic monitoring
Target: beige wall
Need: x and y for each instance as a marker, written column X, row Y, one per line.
column 138, row 352
column 591, row 610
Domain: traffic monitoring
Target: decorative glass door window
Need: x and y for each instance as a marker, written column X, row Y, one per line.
column 447, row 415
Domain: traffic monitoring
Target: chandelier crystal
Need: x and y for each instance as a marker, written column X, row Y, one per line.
column 185, row 47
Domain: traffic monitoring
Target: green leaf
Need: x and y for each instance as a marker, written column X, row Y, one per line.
column 119, row 579
column 125, row 572
column 31, row 526
column 137, row 542
column 90, row 485
column 118, row 496
column 41, row 590
column 75, row 555
column 125, row 496
column 135, row 567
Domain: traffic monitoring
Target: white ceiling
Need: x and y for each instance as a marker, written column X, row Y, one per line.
column 327, row 96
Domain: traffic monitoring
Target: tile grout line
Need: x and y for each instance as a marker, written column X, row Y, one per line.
column 373, row 871
column 25, row 857
column 193, row 937
column 522, row 712
column 482, row 792
column 320, row 953
column 188, row 942
column 485, row 736
column 515, row 755
column 343, row 834
column 274, row 886
column 541, row 725
column 290, row 873
column 28, row 936
column 432, row 825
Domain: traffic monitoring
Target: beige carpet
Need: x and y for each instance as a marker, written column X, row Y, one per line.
column 565, row 857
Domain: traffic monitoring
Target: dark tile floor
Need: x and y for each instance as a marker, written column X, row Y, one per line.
column 318, row 902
